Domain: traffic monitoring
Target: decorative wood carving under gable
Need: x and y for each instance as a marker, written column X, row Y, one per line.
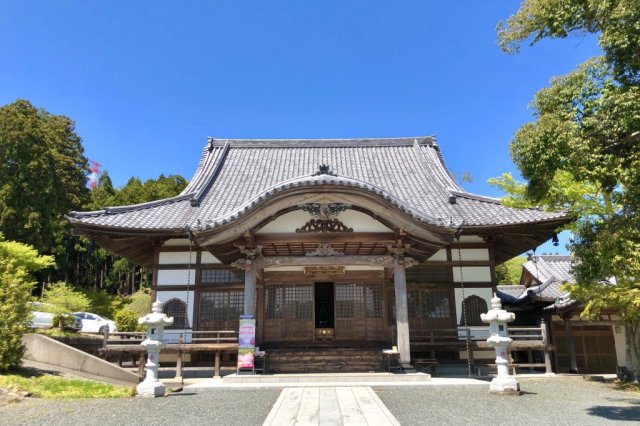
column 324, row 218
column 319, row 225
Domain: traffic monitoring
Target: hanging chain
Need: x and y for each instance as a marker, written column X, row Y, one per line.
column 186, row 319
column 464, row 311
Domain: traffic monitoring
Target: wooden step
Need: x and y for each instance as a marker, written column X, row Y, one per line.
column 313, row 360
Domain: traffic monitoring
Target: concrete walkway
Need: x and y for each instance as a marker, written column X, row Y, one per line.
column 329, row 406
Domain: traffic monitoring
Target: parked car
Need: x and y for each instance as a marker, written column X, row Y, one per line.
column 40, row 318
column 93, row 323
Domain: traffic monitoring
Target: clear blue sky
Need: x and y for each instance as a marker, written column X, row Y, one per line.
column 147, row 81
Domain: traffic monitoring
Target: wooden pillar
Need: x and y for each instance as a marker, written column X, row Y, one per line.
column 544, row 328
column 573, row 365
column 250, row 288
column 402, row 311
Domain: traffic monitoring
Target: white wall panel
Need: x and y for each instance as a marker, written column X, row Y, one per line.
column 209, row 258
column 175, row 277
column 177, row 257
column 176, row 242
column 440, row 255
column 470, row 254
column 475, row 274
column 471, row 239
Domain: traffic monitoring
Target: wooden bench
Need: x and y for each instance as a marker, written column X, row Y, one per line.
column 421, row 364
column 483, row 369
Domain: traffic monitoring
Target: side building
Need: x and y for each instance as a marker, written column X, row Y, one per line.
column 580, row 345
column 329, row 243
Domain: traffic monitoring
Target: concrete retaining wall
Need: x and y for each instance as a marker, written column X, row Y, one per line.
column 49, row 351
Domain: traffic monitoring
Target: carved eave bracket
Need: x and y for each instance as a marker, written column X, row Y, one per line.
column 407, row 262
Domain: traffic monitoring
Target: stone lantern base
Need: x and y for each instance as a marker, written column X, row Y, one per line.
column 504, row 386
column 150, row 389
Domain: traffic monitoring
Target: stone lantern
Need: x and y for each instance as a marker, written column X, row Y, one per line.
column 156, row 321
column 500, row 340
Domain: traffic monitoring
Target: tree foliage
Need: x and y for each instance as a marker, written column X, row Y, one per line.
column 582, row 152
column 17, row 262
column 42, row 176
column 617, row 23
column 509, row 272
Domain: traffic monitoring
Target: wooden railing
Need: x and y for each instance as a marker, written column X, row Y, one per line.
column 474, row 338
column 176, row 341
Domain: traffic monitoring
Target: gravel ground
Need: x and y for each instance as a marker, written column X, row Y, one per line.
column 221, row 407
column 561, row 401
column 550, row 401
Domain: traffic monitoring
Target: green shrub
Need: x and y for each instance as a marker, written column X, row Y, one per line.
column 127, row 320
column 63, row 320
column 17, row 261
column 65, row 299
column 140, row 303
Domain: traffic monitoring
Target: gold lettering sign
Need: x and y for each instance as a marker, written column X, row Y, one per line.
column 324, row 270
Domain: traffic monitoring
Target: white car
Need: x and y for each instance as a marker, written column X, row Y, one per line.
column 93, row 323
column 42, row 319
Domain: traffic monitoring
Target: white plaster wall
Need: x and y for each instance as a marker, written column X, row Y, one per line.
column 620, row 341
column 289, row 222
column 177, row 257
column 472, row 274
column 176, row 242
column 485, row 293
column 440, row 255
column 165, row 296
column 209, row 258
column 361, row 222
column 470, row 254
column 471, row 239
column 176, row 277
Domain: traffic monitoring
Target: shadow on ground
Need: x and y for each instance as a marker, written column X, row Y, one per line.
column 615, row 412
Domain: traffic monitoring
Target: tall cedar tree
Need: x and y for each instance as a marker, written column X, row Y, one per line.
column 43, row 173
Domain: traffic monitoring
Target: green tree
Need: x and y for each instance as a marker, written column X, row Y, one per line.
column 582, row 152
column 63, row 300
column 509, row 272
column 42, row 176
column 17, row 262
column 617, row 23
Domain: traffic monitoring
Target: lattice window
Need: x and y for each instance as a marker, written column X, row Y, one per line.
column 222, row 276
column 289, row 302
column 224, row 305
column 177, row 309
column 423, row 274
column 358, row 301
column 474, row 306
column 373, row 294
column 428, row 303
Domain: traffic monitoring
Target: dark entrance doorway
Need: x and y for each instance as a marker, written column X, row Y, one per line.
column 324, row 305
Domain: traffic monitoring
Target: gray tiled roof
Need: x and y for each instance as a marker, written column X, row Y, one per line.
column 545, row 267
column 234, row 176
column 509, row 293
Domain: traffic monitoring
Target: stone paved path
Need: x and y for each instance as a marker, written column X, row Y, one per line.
column 329, row 406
